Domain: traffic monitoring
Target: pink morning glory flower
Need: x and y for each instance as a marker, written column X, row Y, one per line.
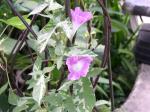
column 78, row 66
column 79, row 17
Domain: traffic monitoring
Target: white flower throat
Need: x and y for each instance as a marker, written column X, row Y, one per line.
column 78, row 66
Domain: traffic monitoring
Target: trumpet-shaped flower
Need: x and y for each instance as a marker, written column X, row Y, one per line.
column 78, row 66
column 79, row 17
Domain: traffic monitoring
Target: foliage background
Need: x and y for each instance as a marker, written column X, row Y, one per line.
column 32, row 96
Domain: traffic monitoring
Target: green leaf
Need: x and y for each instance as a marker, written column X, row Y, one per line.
column 55, row 99
column 124, row 80
column 7, row 44
column 16, row 22
column 69, row 104
column 101, row 90
column 4, row 105
column 125, row 52
column 109, row 11
column 88, row 94
column 104, row 108
column 39, row 90
column 66, row 85
column 20, row 108
column 128, row 65
column 61, row 99
column 3, row 88
column 95, row 71
column 106, row 81
column 13, row 98
column 67, row 27
column 118, row 26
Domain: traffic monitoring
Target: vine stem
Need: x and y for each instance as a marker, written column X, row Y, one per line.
column 21, row 18
column 90, row 35
column 76, row 3
column 6, row 67
column 8, row 77
column 29, row 29
column 67, row 8
column 61, row 79
column 107, row 32
column 106, row 57
column 30, row 52
column 3, row 31
column 110, row 83
column 24, row 35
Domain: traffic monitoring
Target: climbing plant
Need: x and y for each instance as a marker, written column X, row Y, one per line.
column 64, row 56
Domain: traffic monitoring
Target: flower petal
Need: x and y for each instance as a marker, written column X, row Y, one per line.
column 78, row 66
column 80, row 17
column 72, row 76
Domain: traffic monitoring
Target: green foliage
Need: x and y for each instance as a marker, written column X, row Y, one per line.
column 88, row 94
column 16, row 22
column 4, row 44
column 3, row 88
column 40, row 63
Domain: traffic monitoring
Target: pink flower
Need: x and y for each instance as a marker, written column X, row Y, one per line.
column 78, row 66
column 79, row 17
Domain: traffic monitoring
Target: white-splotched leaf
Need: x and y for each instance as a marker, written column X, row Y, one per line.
column 78, row 51
column 67, row 27
column 99, row 50
column 68, row 103
column 61, row 99
column 43, row 39
column 38, row 64
column 66, row 85
column 59, row 49
column 58, row 109
column 26, row 5
column 39, row 90
column 54, row 99
column 38, row 9
column 59, row 62
column 32, row 43
column 88, row 94
column 53, row 5
column 41, row 110
column 102, row 102
column 48, row 69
